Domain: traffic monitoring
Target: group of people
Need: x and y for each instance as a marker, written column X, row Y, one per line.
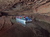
column 23, row 17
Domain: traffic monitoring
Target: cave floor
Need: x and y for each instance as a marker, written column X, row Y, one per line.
column 30, row 30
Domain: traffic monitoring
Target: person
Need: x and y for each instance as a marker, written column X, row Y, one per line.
column 26, row 18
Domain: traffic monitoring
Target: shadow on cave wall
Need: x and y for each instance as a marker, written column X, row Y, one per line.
column 3, row 14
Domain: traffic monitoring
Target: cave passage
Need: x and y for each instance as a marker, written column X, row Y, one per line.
column 3, row 14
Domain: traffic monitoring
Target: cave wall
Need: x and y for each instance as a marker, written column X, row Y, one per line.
column 6, row 4
column 42, row 7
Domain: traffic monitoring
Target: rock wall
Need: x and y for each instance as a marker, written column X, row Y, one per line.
column 6, row 4
column 42, row 7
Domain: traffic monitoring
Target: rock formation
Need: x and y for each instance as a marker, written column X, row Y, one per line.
column 38, row 10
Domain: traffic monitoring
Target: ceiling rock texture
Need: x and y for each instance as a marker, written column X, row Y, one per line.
column 38, row 10
column 14, row 6
column 43, row 6
column 6, row 4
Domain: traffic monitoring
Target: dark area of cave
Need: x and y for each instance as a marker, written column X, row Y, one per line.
column 3, row 14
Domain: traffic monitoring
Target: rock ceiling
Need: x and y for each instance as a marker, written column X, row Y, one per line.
column 12, row 6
